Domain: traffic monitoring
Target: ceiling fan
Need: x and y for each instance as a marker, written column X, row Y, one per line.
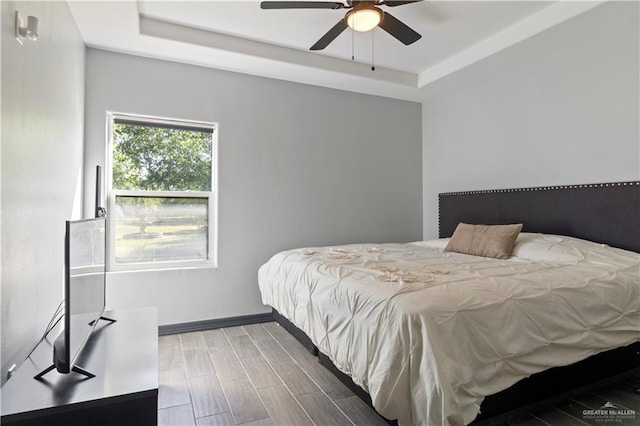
column 364, row 15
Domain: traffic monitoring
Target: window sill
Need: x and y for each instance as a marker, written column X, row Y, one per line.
column 160, row 268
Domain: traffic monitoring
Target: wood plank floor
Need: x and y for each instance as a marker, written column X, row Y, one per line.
column 260, row 375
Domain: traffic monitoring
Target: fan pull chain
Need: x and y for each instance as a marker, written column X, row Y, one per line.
column 373, row 68
column 353, row 32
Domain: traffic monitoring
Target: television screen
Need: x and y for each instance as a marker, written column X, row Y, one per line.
column 84, row 283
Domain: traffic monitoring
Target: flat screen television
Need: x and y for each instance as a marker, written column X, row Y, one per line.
column 84, row 291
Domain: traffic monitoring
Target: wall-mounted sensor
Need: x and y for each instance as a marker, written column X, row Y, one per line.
column 28, row 30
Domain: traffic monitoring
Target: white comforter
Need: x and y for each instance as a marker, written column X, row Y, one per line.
column 429, row 334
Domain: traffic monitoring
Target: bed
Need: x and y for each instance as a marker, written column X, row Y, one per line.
column 421, row 324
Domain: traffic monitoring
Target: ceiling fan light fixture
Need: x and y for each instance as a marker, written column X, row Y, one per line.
column 364, row 19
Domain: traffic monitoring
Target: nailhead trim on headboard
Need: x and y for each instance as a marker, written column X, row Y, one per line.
column 541, row 188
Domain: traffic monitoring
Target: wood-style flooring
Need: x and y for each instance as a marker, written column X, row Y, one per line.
column 260, row 375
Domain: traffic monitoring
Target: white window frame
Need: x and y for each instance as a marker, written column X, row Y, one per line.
column 212, row 196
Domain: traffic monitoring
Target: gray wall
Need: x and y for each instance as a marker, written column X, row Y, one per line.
column 298, row 166
column 560, row 108
column 42, row 157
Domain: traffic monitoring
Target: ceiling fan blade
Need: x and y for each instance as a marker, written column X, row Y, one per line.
column 398, row 29
column 301, row 5
column 393, row 3
column 330, row 35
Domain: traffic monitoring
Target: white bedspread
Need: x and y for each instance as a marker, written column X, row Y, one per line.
column 429, row 334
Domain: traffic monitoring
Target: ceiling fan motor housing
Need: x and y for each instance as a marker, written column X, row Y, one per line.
column 361, row 3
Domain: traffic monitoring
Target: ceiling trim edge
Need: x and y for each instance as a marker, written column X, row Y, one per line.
column 528, row 27
column 194, row 36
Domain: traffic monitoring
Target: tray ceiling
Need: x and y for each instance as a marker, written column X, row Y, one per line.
column 239, row 36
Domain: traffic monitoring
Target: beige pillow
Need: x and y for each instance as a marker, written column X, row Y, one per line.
column 484, row 240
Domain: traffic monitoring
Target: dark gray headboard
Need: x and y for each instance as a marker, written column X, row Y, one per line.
column 606, row 213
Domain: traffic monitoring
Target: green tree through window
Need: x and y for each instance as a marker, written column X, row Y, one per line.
column 161, row 159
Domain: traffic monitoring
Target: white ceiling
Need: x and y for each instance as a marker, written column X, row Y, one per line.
column 241, row 37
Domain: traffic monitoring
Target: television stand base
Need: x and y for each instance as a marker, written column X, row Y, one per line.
column 111, row 320
column 82, row 371
column 43, row 372
column 75, row 369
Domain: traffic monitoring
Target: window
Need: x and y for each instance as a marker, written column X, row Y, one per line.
column 162, row 193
